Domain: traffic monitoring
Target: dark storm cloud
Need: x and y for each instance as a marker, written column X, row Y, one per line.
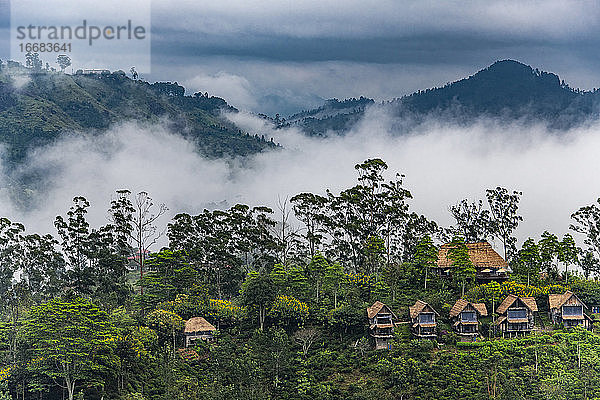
column 424, row 48
column 358, row 30
column 360, row 19
column 272, row 49
column 398, row 46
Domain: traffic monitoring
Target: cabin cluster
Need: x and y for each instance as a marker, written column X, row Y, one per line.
column 515, row 314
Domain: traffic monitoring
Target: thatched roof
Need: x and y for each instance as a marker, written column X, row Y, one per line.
column 418, row 307
column 198, row 324
column 557, row 300
column 376, row 309
column 481, row 254
column 461, row 304
column 529, row 302
column 511, row 298
column 481, row 309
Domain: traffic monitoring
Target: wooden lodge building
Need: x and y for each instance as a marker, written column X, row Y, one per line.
column 490, row 265
column 464, row 316
column 198, row 328
column 516, row 315
column 568, row 310
column 423, row 320
column 381, row 324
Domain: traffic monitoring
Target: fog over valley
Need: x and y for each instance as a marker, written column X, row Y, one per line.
column 443, row 163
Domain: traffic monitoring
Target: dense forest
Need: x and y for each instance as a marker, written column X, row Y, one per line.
column 98, row 312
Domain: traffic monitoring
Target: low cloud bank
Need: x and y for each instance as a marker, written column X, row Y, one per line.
column 442, row 163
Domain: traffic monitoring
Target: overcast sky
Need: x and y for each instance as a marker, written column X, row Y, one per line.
column 282, row 56
column 268, row 54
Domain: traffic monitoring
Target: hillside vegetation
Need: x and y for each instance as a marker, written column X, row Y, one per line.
column 98, row 313
column 36, row 107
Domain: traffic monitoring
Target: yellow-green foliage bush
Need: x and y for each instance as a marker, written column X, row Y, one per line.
column 497, row 291
column 223, row 310
column 361, row 281
column 289, row 308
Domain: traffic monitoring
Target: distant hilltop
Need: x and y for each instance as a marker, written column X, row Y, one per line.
column 507, row 89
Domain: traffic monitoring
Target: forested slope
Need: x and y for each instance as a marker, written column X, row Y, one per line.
column 95, row 312
column 506, row 90
column 36, row 107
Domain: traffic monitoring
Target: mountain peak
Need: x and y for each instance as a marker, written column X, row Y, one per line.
column 516, row 72
column 507, row 89
column 508, row 63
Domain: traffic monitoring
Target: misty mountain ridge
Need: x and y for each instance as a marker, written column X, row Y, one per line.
column 38, row 107
column 334, row 115
column 506, row 90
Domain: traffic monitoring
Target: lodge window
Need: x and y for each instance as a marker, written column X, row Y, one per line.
column 468, row 316
column 572, row 310
column 426, row 318
column 517, row 314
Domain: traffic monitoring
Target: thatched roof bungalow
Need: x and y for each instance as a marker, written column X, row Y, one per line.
column 568, row 309
column 198, row 328
column 489, row 264
column 381, row 324
column 423, row 320
column 516, row 315
column 465, row 317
